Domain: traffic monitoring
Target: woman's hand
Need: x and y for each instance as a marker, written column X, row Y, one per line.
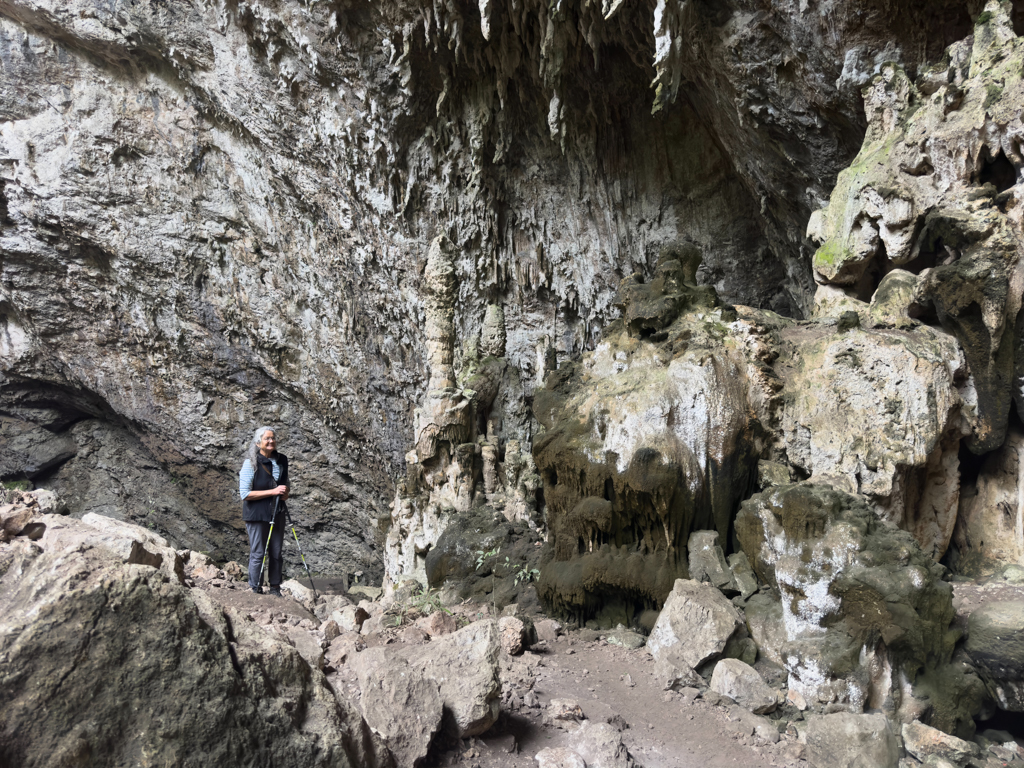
column 281, row 490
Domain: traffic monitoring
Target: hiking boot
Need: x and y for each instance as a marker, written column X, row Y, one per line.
column 276, row 592
column 257, row 590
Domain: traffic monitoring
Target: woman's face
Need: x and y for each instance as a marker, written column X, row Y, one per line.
column 267, row 443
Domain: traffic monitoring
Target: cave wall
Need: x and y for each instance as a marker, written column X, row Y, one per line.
column 216, row 214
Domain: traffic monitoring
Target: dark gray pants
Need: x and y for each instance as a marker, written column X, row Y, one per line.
column 258, row 533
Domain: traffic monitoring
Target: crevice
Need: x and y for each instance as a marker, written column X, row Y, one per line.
column 997, row 171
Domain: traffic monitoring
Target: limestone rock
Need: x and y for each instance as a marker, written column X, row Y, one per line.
column 647, row 438
column 707, row 561
column 464, row 665
column 400, row 705
column 56, row 674
column 548, row 630
column 564, row 713
column 929, row 209
column 673, row 677
column 990, row 518
column 860, row 601
column 923, row 742
column 695, row 626
column 438, row 623
column 995, row 645
column 514, row 635
column 855, row 420
column 741, row 683
column 132, row 543
column 559, row 757
column 600, row 745
column 350, row 618
column 845, row 740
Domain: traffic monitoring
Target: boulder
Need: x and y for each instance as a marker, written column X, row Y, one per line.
column 307, row 644
column 924, row 742
column 846, row 740
column 695, row 626
column 14, row 518
column 564, row 713
column 995, row 645
column 742, row 574
column 350, row 618
column 741, row 683
column 341, row 649
column 114, row 663
column 438, row 623
column 300, row 593
column 132, row 543
column 548, row 630
column 327, row 604
column 600, row 745
column 862, row 606
column 673, row 678
column 462, row 666
column 513, row 634
column 559, row 757
column 707, row 561
column 401, row 705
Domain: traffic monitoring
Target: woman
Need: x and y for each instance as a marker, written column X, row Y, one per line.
column 263, row 486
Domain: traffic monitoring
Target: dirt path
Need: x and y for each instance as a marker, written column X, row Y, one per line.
column 663, row 729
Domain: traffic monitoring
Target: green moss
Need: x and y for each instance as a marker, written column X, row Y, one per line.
column 984, row 18
column 831, row 254
column 992, row 94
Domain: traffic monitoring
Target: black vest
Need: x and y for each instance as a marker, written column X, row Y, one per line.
column 262, row 510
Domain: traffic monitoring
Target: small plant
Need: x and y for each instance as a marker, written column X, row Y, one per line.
column 524, row 573
column 482, row 557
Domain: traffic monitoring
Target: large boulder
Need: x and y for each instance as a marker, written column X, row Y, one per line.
column 402, row 706
column 923, row 742
column 741, row 683
column 600, row 745
column 696, row 627
column 995, row 644
column 863, row 607
column 451, row 682
column 116, row 663
column 846, row 740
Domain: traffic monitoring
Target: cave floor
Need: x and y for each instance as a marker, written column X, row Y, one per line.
column 663, row 729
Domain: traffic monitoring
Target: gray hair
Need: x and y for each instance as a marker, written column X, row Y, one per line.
column 254, row 446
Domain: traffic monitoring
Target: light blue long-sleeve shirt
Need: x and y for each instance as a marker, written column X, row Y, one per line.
column 245, row 477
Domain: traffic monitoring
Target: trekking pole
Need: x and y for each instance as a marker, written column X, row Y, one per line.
column 288, row 517
column 266, row 549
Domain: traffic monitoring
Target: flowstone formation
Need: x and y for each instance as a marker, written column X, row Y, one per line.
column 687, row 405
column 646, row 439
column 469, row 434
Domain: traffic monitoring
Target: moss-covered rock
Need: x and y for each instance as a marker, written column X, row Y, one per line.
column 646, row 439
column 865, row 611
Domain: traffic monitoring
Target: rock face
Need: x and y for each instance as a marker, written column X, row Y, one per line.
column 219, row 217
column 646, row 439
column 928, row 194
column 107, row 659
column 995, row 644
column 865, row 611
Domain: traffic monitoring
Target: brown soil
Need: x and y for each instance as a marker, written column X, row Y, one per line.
column 613, row 684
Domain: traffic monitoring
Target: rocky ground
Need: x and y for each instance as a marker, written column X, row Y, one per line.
column 105, row 625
